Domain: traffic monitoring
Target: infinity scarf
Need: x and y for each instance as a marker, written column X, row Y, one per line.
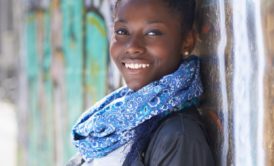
column 110, row 123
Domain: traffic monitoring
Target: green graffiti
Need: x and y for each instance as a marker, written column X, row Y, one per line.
column 73, row 51
column 84, row 54
column 96, row 58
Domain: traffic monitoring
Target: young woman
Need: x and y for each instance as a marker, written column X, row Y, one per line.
column 153, row 120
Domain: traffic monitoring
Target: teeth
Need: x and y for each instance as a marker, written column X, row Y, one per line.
column 136, row 66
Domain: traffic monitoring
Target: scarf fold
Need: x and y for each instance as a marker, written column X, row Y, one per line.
column 110, row 123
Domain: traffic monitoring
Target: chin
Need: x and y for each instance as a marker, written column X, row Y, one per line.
column 135, row 86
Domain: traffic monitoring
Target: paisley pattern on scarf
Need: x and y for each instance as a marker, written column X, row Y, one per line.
column 110, row 123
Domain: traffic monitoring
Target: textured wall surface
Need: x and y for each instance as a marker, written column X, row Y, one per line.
column 65, row 59
column 236, row 47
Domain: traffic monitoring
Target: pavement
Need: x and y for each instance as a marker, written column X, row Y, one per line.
column 8, row 134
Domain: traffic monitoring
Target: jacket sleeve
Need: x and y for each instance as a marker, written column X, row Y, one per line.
column 76, row 160
column 179, row 141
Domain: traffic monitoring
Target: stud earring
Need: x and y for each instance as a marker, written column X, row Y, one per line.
column 186, row 53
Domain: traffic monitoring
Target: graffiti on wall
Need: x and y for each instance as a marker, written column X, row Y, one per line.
column 67, row 64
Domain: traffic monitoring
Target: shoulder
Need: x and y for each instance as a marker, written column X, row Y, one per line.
column 181, row 125
column 180, row 139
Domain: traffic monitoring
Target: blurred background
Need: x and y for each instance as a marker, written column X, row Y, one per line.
column 54, row 64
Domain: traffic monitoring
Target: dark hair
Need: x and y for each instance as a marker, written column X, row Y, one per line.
column 185, row 9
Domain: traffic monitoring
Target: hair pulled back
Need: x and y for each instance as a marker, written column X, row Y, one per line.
column 184, row 8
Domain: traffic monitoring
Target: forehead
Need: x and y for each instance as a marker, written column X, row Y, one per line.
column 154, row 9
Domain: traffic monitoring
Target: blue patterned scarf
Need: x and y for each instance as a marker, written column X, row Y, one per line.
column 110, row 123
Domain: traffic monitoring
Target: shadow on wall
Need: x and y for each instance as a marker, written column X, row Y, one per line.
column 236, row 48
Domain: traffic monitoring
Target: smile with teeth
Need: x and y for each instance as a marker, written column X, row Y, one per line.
column 136, row 66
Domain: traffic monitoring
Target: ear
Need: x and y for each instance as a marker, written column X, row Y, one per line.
column 188, row 43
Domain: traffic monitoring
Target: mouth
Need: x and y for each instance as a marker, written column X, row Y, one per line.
column 136, row 66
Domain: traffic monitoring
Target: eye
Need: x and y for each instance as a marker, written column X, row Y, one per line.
column 121, row 31
column 154, row 33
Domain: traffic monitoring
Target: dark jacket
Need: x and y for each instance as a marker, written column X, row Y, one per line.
column 179, row 140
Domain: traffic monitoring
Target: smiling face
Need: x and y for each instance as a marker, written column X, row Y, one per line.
column 147, row 41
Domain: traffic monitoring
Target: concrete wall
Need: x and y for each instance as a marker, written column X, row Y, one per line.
column 8, row 51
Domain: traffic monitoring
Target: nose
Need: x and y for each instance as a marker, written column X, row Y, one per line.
column 135, row 45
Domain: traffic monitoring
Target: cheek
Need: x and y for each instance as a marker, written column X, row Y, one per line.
column 168, row 58
column 157, row 48
column 165, row 52
column 114, row 49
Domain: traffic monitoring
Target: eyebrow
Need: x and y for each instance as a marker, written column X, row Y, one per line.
column 154, row 22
